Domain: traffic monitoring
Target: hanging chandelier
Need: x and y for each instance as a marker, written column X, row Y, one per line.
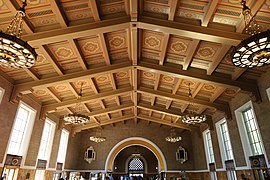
column 77, row 118
column 173, row 137
column 14, row 52
column 97, row 138
column 255, row 50
column 192, row 117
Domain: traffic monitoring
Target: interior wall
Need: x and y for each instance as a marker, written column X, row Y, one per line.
column 121, row 131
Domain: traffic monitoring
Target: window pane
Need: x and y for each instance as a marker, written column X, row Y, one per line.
column 62, row 147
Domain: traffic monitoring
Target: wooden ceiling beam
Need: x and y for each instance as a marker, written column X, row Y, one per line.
column 94, row 9
column 184, row 107
column 177, row 125
column 103, row 123
column 173, row 8
column 113, row 83
column 176, row 86
column 133, row 35
column 127, row 7
column 53, row 94
column 197, row 90
column 60, row 14
column 209, row 11
column 49, row 57
column 85, row 99
column 254, row 9
column 76, row 32
column 214, row 64
column 110, row 110
column 72, row 89
column 191, row 53
column 153, row 100
column 32, row 73
column 180, row 98
column 95, row 119
column 200, row 75
column 164, row 48
column 157, row 78
column 93, row 85
column 191, row 31
column 133, row 6
column 238, row 72
column 76, row 48
column 217, row 93
column 104, row 49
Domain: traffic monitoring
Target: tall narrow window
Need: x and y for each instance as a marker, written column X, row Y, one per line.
column 21, row 131
column 2, row 91
column 226, row 148
column 63, row 146
column 268, row 93
column 209, row 153
column 252, row 132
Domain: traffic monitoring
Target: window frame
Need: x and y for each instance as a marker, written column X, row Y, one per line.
column 2, row 92
column 27, row 135
column 49, row 142
column 268, row 93
column 243, row 132
column 206, row 148
column 66, row 131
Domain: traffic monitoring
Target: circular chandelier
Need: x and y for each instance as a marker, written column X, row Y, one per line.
column 77, row 118
column 173, row 137
column 14, row 52
column 255, row 50
column 192, row 117
column 97, row 138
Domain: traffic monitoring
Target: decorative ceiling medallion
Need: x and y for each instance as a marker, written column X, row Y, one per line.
column 235, row 1
column 152, row 42
column 90, row 47
column 41, row 59
column 148, row 74
column 189, row 83
column 117, row 42
column 33, row 2
column 206, row 52
column 209, row 87
column 63, row 52
column 167, row 78
column 230, row 92
column 102, row 78
column 179, row 47
column 40, row 92
column 121, row 74
column 61, row 87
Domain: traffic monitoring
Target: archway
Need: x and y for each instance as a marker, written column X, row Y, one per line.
column 135, row 141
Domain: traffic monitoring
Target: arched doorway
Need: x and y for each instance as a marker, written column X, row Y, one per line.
column 162, row 166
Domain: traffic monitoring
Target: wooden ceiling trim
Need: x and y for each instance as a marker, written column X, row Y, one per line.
column 32, row 73
column 184, row 107
column 199, row 75
column 209, row 11
column 53, row 94
column 164, row 48
column 60, row 14
column 127, row 7
column 173, row 7
column 93, row 85
column 94, row 9
column 201, row 110
column 85, row 99
column 56, row 66
column 68, row 110
column 176, row 85
column 135, row 88
column 192, row 31
column 112, row 79
column 117, row 100
column 197, row 90
column 72, row 89
column 168, row 104
column 76, row 32
column 103, row 123
column 6, row 77
column 177, row 125
column 134, row 45
column 254, row 9
column 102, row 104
column 217, row 93
column 214, row 64
column 80, row 55
column 133, row 10
column 104, row 48
column 179, row 98
column 95, row 119
column 191, row 53
column 238, row 72
column 157, row 78
column 86, row 107
column 14, row 6
column 153, row 100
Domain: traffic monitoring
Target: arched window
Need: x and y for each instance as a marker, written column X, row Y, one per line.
column 135, row 164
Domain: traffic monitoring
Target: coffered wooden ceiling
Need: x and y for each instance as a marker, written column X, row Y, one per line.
column 135, row 58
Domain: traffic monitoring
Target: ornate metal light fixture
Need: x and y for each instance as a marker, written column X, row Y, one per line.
column 98, row 138
column 255, row 50
column 192, row 117
column 173, row 137
column 14, row 52
column 77, row 118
